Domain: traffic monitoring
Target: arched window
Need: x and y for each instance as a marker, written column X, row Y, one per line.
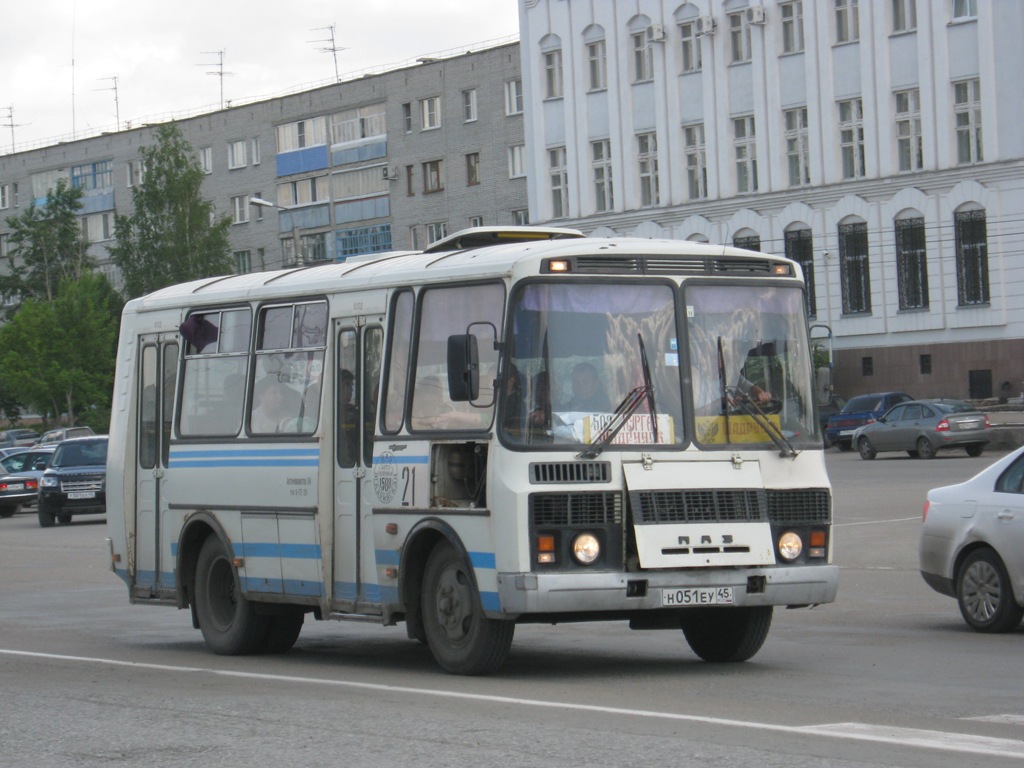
column 972, row 286
column 854, row 267
column 747, row 238
column 911, row 260
column 800, row 248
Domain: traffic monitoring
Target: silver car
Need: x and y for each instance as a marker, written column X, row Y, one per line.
column 972, row 544
column 923, row 427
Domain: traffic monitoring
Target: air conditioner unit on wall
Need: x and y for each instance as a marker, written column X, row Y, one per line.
column 706, row 25
column 755, row 14
column 656, row 33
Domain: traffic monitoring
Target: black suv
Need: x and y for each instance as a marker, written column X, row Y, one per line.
column 75, row 483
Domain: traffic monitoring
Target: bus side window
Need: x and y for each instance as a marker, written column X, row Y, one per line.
column 373, row 350
column 347, row 414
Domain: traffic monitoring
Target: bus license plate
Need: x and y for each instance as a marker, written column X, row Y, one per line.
column 82, row 495
column 691, row 596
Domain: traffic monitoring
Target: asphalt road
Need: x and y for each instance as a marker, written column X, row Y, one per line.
column 887, row 676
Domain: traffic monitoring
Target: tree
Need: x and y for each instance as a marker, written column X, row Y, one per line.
column 47, row 246
column 172, row 236
column 58, row 356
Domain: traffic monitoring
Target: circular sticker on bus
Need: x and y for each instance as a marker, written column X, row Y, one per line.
column 385, row 477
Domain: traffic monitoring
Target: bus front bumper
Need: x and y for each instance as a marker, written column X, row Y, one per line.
column 576, row 592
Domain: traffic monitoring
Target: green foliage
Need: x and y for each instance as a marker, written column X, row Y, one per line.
column 47, row 246
column 57, row 357
column 169, row 238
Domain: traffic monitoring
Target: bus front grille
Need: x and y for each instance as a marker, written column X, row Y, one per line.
column 570, row 509
column 809, row 506
column 805, row 506
column 570, row 472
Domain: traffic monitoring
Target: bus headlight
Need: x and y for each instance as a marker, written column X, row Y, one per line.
column 790, row 546
column 586, row 548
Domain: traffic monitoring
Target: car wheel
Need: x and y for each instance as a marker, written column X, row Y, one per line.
column 726, row 635
column 864, row 448
column 46, row 518
column 7, row 511
column 974, row 451
column 924, row 449
column 845, row 445
column 985, row 595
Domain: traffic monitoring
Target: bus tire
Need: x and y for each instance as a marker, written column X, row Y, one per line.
column 726, row 634
column 229, row 624
column 461, row 638
column 284, row 629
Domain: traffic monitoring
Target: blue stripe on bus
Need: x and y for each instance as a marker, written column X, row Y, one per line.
column 245, row 457
column 476, row 559
column 276, row 549
column 395, row 458
column 282, row 586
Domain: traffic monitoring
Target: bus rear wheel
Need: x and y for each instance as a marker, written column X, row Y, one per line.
column 726, row 634
column 461, row 638
column 227, row 620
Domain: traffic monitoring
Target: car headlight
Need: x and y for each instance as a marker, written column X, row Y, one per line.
column 790, row 546
column 586, row 548
column 49, row 482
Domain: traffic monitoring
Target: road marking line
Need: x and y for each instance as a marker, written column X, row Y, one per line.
column 1008, row 719
column 876, row 522
column 938, row 740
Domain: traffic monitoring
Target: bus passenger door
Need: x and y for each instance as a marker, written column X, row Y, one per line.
column 158, row 364
column 359, row 346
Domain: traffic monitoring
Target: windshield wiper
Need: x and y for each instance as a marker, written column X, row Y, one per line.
column 748, row 406
column 624, row 410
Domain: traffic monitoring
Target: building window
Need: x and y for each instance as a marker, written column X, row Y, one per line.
column 476, row 221
column 643, row 58
column 911, row 264
column 696, row 161
column 851, row 138
column 967, row 106
column 469, row 105
column 972, row 285
column 300, row 134
column 604, row 195
column 359, row 123
column 472, row 169
column 433, row 176
column 303, row 191
column 517, row 161
column 647, row 162
column 255, row 144
column 414, row 238
column 854, row 272
column 904, row 15
column 372, row 239
column 134, row 172
column 521, row 217
column 407, row 116
column 965, row 9
column 243, row 262
column 597, row 65
column 909, row 144
column 514, row 97
column 93, row 175
column 437, row 231
column 240, row 209
column 410, row 177
column 747, row 242
column 867, row 366
column 5, row 195
column 800, row 248
column 797, row 153
column 553, row 74
column 792, row 26
column 236, row 154
column 430, row 113
column 559, row 176
column 206, row 159
column 925, row 365
column 5, row 244
column 847, row 21
column 689, row 47
column 745, row 149
column 739, row 38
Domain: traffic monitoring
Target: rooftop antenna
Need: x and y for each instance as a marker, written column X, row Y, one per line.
column 10, row 123
column 331, row 49
column 219, row 72
column 117, row 107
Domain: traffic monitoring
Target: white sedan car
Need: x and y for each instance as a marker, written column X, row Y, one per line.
column 972, row 544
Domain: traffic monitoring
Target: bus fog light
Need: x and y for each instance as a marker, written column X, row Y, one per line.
column 586, row 548
column 790, row 546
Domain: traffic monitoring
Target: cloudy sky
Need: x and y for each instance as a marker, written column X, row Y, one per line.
column 59, row 57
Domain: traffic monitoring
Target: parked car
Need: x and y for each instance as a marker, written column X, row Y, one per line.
column 61, row 434
column 19, row 484
column 75, row 483
column 834, row 404
column 972, row 544
column 922, row 427
column 10, row 438
column 857, row 412
column 5, row 452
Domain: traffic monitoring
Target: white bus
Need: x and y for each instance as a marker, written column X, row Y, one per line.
column 514, row 425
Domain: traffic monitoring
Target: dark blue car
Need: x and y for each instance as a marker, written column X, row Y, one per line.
column 857, row 412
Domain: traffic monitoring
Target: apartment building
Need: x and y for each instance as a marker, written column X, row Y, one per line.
column 876, row 143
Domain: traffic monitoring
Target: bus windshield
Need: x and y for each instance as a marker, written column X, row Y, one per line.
column 748, row 356
column 586, row 356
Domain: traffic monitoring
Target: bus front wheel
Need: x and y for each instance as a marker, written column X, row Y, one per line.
column 461, row 638
column 727, row 634
column 227, row 620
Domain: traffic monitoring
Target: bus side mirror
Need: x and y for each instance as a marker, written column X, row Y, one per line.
column 463, row 368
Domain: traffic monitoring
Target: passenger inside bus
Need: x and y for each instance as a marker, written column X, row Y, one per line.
column 271, row 410
column 588, row 394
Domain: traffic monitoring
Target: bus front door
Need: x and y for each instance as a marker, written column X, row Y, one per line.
column 154, row 568
column 356, row 385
